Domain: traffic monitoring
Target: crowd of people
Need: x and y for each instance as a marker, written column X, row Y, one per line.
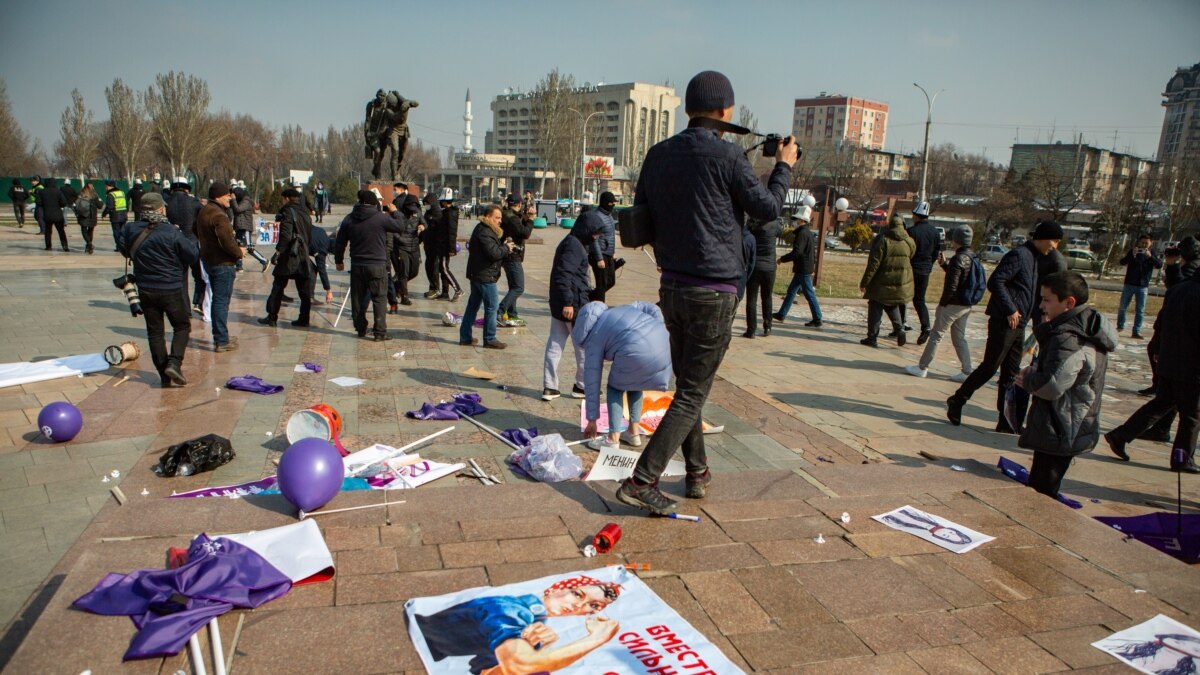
column 716, row 226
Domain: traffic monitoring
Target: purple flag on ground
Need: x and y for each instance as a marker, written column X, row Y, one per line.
column 520, row 437
column 1021, row 475
column 253, row 384
column 462, row 404
column 1163, row 531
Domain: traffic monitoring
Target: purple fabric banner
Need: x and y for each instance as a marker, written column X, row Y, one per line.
column 253, row 385
column 462, row 404
column 1163, row 531
column 232, row 491
column 1021, row 475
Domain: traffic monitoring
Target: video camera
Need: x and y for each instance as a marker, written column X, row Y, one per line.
column 771, row 143
column 128, row 285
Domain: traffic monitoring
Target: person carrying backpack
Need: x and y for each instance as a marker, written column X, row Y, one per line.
column 965, row 283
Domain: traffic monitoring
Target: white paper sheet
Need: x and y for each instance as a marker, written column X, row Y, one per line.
column 347, row 381
column 933, row 529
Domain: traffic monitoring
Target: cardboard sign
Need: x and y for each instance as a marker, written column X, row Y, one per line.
column 617, row 464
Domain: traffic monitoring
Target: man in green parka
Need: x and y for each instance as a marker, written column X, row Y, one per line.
column 887, row 283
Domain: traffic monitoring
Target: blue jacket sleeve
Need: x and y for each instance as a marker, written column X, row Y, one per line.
column 1006, row 270
column 187, row 249
column 756, row 200
column 593, row 372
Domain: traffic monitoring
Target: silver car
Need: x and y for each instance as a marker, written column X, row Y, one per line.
column 1082, row 259
column 993, row 252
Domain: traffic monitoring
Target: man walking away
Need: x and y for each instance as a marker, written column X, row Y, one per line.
column 116, row 208
column 219, row 253
column 135, row 197
column 517, row 225
column 1140, row 264
column 19, row 196
column 887, row 282
column 87, row 210
column 35, row 190
column 243, row 224
column 762, row 276
column 445, row 243
column 161, row 256
column 365, row 230
column 291, row 260
column 928, row 247
column 53, row 202
column 964, row 286
column 182, row 210
column 803, row 257
column 1013, row 286
column 699, row 190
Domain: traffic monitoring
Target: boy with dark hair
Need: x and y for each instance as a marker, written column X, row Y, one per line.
column 1066, row 382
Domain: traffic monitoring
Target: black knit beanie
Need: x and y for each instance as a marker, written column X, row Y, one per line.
column 708, row 91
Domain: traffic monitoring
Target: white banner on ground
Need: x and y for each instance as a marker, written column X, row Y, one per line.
column 599, row 621
column 933, row 529
column 13, row 374
column 617, row 464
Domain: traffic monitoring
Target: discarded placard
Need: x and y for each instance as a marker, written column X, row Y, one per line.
column 933, row 529
column 617, row 464
column 1159, row 645
column 479, row 374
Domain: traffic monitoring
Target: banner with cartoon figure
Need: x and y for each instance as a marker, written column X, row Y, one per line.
column 599, row 621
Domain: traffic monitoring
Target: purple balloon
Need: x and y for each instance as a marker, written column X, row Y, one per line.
column 60, row 421
column 310, row 473
column 457, row 247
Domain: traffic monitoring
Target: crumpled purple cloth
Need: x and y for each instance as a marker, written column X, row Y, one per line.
column 1021, row 475
column 461, row 404
column 520, row 437
column 253, row 384
column 313, row 367
column 169, row 606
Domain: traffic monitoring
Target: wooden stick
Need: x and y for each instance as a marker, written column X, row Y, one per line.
column 304, row 515
column 120, row 382
column 237, row 635
column 118, row 495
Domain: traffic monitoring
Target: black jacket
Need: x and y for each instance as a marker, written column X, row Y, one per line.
column 1066, row 386
column 765, row 236
column 163, row 258
column 52, row 202
column 1139, row 268
column 1177, row 329
column 485, row 255
column 430, row 238
column 18, row 194
column 446, row 237
column 70, row 194
column 928, row 243
column 803, row 255
column 699, row 190
column 87, row 210
column 1013, row 283
column 243, row 211
column 295, row 242
column 182, row 209
column 516, row 229
column 956, row 269
column 570, row 280
column 320, row 245
column 365, row 229
column 1180, row 271
column 135, row 198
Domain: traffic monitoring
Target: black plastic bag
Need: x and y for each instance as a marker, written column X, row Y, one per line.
column 199, row 454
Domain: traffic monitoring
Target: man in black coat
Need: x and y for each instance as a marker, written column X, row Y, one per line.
column 1014, row 289
column 803, row 257
column 1140, row 263
column 135, row 196
column 182, row 209
column 570, row 290
column 52, row 202
column 292, row 260
column 1178, row 389
column 444, row 240
column 365, row 230
column 485, row 254
column 517, row 225
column 761, row 281
column 928, row 244
column 430, row 240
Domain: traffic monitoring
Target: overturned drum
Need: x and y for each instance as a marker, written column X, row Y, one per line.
column 118, row 354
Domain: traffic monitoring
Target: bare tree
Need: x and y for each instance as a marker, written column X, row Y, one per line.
column 420, row 161
column 747, row 119
column 178, row 107
column 554, row 124
column 1007, row 206
column 126, row 137
column 79, row 140
column 16, row 157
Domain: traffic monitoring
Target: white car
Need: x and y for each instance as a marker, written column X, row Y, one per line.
column 993, row 252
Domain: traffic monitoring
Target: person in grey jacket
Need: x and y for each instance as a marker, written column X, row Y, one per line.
column 243, row 224
column 762, row 275
column 1066, row 383
column 803, row 257
column 952, row 312
column 634, row 338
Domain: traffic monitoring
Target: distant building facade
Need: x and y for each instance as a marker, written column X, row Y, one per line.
column 831, row 118
column 1095, row 174
column 1180, row 139
column 634, row 116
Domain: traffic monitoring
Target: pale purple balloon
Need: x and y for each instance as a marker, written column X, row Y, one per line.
column 60, row 421
column 310, row 473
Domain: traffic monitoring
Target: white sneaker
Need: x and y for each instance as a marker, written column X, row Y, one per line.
column 959, row 377
column 598, row 443
column 915, row 371
column 631, row 439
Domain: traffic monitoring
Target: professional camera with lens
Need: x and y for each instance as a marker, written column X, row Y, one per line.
column 128, row 285
column 771, row 143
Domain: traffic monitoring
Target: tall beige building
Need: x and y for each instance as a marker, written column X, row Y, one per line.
column 1180, row 139
column 833, row 118
column 633, row 116
column 1095, row 174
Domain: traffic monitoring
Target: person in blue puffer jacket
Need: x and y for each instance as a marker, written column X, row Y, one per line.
column 635, row 339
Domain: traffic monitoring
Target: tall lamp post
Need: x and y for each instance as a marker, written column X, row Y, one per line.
column 583, row 181
column 928, row 121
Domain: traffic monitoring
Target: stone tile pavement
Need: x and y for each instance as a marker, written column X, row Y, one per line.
column 815, row 425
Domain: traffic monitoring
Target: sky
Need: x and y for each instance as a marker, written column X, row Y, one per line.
column 1015, row 70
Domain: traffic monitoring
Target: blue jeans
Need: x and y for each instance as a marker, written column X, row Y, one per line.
column 514, row 271
column 616, row 410
column 220, row 280
column 481, row 294
column 700, row 322
column 801, row 282
column 1139, row 313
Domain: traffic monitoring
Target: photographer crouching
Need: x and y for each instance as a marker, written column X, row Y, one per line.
column 161, row 257
column 699, row 189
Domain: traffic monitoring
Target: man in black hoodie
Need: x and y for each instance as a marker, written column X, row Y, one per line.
column 762, row 274
column 182, row 210
column 444, row 238
column 928, row 244
column 19, row 195
column 570, row 290
column 365, row 231
column 291, row 259
column 53, row 202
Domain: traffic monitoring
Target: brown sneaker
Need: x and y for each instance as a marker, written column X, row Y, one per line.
column 495, row 344
column 697, row 485
column 468, row 343
column 647, row 497
column 227, row 347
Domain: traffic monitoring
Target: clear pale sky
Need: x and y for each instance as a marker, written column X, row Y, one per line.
column 1040, row 66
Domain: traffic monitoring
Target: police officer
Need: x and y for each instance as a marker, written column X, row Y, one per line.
column 116, row 207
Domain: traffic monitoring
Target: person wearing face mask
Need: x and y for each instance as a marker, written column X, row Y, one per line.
column 601, row 254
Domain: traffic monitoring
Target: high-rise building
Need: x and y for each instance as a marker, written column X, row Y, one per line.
column 833, row 118
column 1094, row 174
column 1180, row 139
column 634, row 116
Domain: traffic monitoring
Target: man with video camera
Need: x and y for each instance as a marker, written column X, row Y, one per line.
column 699, row 191
column 161, row 257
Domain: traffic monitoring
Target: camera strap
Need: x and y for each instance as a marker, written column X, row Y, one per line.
column 137, row 244
column 721, row 125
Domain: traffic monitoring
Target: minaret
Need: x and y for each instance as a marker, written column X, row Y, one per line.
column 467, row 117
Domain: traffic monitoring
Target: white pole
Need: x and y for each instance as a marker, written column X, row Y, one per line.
column 415, row 443
column 490, row 430
column 197, row 655
column 342, row 308
column 218, row 650
column 304, row 515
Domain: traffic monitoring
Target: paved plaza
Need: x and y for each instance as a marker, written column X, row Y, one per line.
column 815, row 425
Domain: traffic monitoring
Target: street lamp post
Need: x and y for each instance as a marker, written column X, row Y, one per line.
column 928, row 121
column 583, row 181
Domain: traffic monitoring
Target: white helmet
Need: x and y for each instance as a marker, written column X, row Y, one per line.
column 922, row 209
column 447, row 195
column 804, row 213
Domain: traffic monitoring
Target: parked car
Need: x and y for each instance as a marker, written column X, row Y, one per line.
column 993, row 252
column 1082, row 259
column 1018, row 240
column 832, row 243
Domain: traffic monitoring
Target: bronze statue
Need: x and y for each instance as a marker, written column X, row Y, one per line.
column 386, row 128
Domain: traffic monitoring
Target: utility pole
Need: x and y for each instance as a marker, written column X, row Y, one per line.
column 928, row 121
